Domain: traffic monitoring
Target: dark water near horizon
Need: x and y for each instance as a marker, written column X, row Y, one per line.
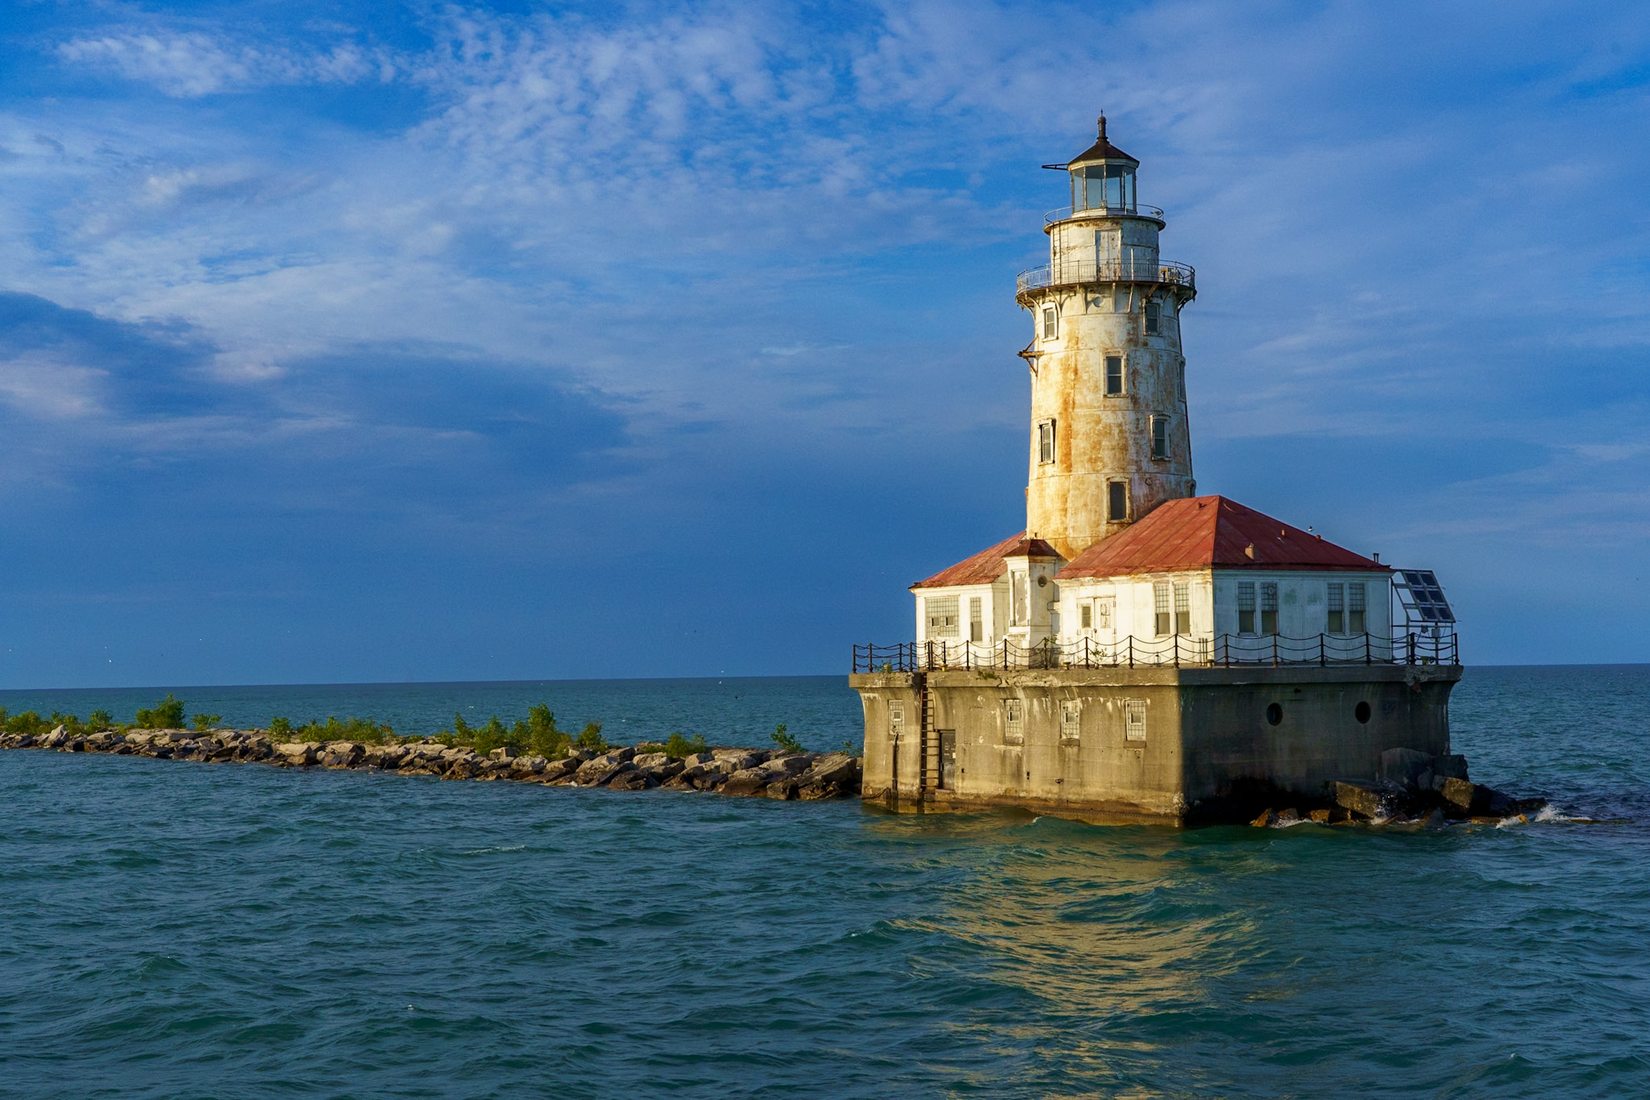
column 186, row 930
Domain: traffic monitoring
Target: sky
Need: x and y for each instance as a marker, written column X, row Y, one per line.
column 370, row 341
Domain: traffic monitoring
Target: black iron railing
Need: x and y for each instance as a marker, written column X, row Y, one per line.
column 1079, row 271
column 1177, row 651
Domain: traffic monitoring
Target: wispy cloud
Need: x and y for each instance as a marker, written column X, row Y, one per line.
column 193, row 64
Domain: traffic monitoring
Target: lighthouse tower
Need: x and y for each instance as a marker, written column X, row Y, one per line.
column 1109, row 435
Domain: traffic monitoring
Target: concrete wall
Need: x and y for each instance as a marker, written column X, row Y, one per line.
column 1199, row 734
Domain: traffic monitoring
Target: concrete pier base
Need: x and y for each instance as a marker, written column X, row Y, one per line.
column 1159, row 745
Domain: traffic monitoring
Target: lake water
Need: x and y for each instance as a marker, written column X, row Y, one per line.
column 189, row 930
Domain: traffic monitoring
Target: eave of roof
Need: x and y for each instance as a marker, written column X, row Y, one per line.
column 990, row 563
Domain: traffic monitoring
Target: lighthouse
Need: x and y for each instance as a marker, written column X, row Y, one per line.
column 1110, row 440
column 1139, row 652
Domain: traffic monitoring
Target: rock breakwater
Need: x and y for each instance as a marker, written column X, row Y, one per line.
column 1413, row 788
column 762, row 773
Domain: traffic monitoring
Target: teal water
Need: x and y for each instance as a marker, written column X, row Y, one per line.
column 188, row 930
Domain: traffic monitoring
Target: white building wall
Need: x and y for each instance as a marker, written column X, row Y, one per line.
column 1303, row 612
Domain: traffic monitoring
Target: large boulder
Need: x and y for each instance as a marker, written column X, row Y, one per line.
column 738, row 760
column 783, row 767
column 560, row 771
column 296, row 753
column 600, row 770
column 834, row 775
column 342, row 754
column 632, row 778
column 746, row 782
column 1366, row 800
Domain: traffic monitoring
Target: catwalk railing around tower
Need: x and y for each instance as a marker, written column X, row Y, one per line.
column 1177, row 651
column 1138, row 210
column 1089, row 270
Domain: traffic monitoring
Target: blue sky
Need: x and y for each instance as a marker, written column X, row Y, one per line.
column 373, row 341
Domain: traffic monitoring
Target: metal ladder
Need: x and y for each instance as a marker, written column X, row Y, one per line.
column 928, row 744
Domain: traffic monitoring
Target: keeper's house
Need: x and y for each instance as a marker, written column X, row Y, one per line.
column 1139, row 652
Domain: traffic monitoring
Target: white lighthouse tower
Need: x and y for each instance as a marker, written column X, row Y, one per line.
column 1109, row 435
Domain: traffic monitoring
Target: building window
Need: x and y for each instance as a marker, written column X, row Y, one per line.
column 1160, row 604
column 1269, row 608
column 1182, row 609
column 1154, row 318
column 896, row 718
column 976, row 620
column 1085, row 615
column 1045, row 441
column 1337, row 608
column 1160, row 436
column 1114, row 375
column 1357, row 621
column 1246, row 607
column 1134, row 719
column 1017, row 599
column 1014, row 720
column 1070, row 715
column 1051, row 323
column 1117, row 501
column 942, row 617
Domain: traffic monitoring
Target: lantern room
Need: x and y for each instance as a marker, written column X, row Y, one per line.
column 1102, row 177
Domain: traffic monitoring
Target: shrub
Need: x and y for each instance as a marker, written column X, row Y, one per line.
column 784, row 741
column 679, row 746
column 349, row 729
column 164, row 715
column 204, row 722
column 27, row 722
column 279, row 727
column 591, row 738
column 100, row 720
column 539, row 735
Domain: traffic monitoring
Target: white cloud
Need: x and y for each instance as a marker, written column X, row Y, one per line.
column 193, row 64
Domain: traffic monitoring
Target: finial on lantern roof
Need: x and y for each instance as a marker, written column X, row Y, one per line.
column 1102, row 124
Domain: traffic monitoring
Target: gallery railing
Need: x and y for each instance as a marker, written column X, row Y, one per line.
column 1176, row 651
column 1080, row 271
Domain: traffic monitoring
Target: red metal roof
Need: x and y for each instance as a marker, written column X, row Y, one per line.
column 988, row 564
column 1212, row 531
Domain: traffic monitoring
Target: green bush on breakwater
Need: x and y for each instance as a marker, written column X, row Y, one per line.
column 676, row 746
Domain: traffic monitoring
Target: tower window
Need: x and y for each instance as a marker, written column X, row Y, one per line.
column 1114, row 375
column 1160, row 436
column 1051, row 323
column 1154, row 318
column 1117, row 501
column 1045, row 441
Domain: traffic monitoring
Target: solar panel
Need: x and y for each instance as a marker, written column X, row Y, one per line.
column 1422, row 596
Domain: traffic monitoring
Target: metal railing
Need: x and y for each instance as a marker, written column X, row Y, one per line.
column 1061, row 213
column 1077, row 271
column 1176, row 651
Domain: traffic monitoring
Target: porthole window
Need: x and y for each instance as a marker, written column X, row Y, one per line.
column 1361, row 712
column 1274, row 714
